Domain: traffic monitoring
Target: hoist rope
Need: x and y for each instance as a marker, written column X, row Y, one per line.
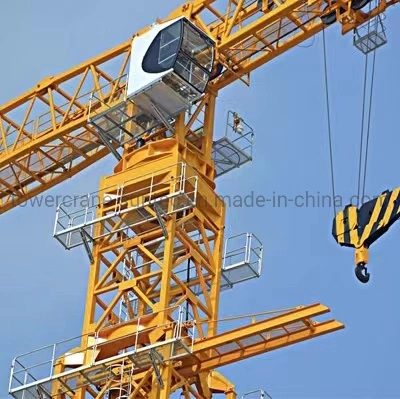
column 362, row 129
column 329, row 122
column 362, row 179
column 369, row 122
column 362, row 169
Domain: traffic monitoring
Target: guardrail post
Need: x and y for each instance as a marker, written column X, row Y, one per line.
column 52, row 360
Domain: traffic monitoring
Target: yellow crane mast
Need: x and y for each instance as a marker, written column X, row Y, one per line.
column 154, row 231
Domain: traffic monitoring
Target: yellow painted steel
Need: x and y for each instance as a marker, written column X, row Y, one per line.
column 148, row 174
column 40, row 151
column 45, row 137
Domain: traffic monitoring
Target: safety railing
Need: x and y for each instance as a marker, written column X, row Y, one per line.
column 240, row 133
column 185, row 333
column 257, row 394
column 370, row 35
column 111, row 91
column 80, row 218
column 122, row 122
column 242, row 259
column 39, row 365
column 36, row 371
column 235, row 148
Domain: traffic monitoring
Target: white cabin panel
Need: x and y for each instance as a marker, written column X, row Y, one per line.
column 138, row 79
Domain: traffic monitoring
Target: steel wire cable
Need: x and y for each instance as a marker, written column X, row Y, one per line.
column 369, row 123
column 329, row 122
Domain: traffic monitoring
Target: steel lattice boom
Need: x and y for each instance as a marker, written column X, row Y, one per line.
column 154, row 232
column 45, row 137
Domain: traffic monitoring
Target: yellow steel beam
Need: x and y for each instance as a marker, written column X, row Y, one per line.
column 209, row 353
column 252, row 330
column 51, row 139
column 245, row 351
column 53, row 134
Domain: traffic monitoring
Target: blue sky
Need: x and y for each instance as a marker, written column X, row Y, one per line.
column 43, row 287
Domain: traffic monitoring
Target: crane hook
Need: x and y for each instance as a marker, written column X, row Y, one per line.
column 362, row 273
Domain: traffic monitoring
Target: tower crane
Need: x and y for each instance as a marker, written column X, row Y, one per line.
column 154, row 231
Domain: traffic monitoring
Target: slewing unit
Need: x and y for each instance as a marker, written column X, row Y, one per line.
column 171, row 67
